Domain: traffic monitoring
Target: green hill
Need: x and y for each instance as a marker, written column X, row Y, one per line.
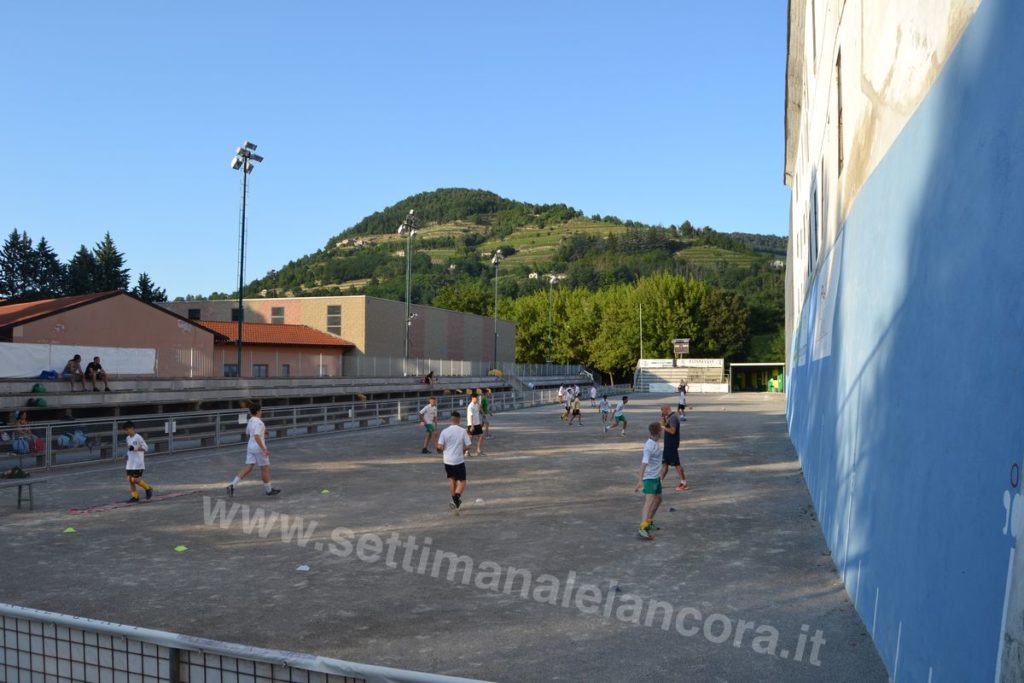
column 459, row 229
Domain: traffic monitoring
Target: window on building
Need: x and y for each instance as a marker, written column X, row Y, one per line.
column 839, row 108
column 334, row 319
column 231, row 369
column 193, row 314
column 234, row 315
column 286, row 370
column 277, row 315
column 260, row 370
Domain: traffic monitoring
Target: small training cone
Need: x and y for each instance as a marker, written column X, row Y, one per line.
column 302, row 568
column 324, row 492
column 180, row 548
column 70, row 530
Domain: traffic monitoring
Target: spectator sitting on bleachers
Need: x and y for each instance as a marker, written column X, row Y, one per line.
column 94, row 371
column 73, row 371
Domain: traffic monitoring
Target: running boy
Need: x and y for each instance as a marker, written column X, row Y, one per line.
column 576, row 415
column 619, row 415
column 428, row 418
column 605, row 407
column 136, row 464
column 256, row 453
column 454, row 442
column 650, row 481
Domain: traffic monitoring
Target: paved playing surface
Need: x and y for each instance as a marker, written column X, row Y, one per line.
column 741, row 543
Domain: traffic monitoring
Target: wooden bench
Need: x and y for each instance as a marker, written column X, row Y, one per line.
column 26, row 482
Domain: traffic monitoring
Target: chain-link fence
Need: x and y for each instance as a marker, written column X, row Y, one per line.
column 47, row 646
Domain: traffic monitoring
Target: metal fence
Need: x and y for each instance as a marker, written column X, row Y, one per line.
column 68, row 443
column 47, row 646
column 371, row 366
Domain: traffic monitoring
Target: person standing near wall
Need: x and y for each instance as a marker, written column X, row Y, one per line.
column 682, row 400
column 428, row 418
column 256, row 453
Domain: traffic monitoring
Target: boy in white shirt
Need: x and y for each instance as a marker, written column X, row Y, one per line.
column 256, row 452
column 454, row 442
column 136, row 464
column 619, row 415
column 428, row 418
column 605, row 408
column 475, row 422
column 650, row 480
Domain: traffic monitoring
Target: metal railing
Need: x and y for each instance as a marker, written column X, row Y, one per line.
column 38, row 645
column 58, row 444
column 372, row 366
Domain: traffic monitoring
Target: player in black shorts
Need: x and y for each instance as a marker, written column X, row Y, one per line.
column 670, row 456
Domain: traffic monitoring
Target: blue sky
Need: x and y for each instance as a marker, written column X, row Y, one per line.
column 123, row 116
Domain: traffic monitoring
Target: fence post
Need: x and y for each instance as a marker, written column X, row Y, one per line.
column 48, row 458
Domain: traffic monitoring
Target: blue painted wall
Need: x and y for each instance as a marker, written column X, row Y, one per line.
column 906, row 402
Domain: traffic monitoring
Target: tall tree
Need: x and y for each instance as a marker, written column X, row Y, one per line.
column 81, row 273
column 110, row 269
column 17, row 265
column 147, row 291
column 49, row 274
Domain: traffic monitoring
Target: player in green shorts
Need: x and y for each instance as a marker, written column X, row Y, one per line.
column 650, row 480
column 619, row 416
column 428, row 418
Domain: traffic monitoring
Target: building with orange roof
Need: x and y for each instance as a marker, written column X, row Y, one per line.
column 282, row 350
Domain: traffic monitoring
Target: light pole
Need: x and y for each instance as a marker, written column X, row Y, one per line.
column 495, row 260
column 244, row 160
column 408, row 228
column 552, row 280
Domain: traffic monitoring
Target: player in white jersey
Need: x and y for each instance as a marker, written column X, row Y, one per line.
column 619, row 415
column 256, row 453
column 428, row 418
column 454, row 442
column 136, row 464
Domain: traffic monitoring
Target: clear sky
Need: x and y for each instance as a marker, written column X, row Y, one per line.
column 123, row 117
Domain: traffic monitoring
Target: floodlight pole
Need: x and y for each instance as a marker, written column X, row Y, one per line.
column 245, row 157
column 407, row 227
column 241, row 268
column 498, row 256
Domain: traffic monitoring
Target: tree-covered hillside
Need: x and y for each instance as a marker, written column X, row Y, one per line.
column 460, row 230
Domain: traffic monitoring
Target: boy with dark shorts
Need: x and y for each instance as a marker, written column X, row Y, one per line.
column 475, row 421
column 650, row 480
column 136, row 464
column 670, row 458
column 454, row 443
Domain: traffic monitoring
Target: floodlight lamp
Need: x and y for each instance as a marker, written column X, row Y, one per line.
column 240, row 151
column 256, row 157
column 236, row 163
column 249, row 145
column 249, row 167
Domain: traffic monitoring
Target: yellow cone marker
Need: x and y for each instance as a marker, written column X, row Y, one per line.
column 70, row 530
column 180, row 548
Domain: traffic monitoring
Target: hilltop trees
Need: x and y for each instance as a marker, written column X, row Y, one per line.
column 28, row 273
column 601, row 329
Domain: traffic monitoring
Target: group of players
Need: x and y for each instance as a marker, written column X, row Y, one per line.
column 455, row 444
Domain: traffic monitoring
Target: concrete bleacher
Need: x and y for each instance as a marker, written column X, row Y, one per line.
column 131, row 396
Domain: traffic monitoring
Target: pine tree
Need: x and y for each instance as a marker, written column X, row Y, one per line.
column 17, row 265
column 147, row 291
column 110, row 271
column 49, row 274
column 81, row 273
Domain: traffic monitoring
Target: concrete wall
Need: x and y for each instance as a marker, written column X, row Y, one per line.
column 906, row 322
column 376, row 326
column 183, row 350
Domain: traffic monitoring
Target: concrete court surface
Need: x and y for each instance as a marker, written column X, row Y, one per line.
column 741, row 544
